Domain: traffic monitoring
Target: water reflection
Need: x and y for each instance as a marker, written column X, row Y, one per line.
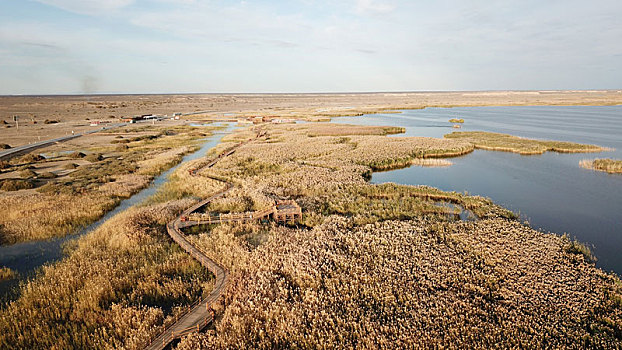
column 551, row 191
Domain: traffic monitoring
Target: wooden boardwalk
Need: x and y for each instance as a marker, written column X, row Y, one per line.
column 199, row 315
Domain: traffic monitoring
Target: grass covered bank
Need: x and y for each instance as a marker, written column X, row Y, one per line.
column 384, row 266
column 611, row 166
column 417, row 283
column 371, row 266
column 114, row 288
column 507, row 143
column 88, row 184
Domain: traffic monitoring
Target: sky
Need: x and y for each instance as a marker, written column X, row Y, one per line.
column 184, row 46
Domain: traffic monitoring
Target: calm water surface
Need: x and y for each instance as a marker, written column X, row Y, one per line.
column 551, row 191
column 26, row 258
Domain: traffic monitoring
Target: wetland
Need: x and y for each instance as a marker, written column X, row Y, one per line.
column 550, row 190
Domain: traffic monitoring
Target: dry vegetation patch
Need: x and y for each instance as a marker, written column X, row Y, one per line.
column 325, row 129
column 345, row 285
column 611, row 166
column 372, row 266
column 70, row 195
column 6, row 273
column 402, row 284
column 114, row 288
column 32, row 216
column 508, row 143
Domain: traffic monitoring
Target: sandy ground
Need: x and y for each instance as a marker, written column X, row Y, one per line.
column 75, row 113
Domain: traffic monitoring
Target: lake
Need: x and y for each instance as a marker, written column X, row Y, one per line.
column 551, row 191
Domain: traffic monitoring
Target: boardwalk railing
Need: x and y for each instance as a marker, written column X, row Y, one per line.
column 200, row 314
column 197, row 316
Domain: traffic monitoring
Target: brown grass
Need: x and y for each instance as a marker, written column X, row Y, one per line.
column 404, row 284
column 66, row 203
column 611, row 166
column 30, row 216
column 376, row 266
column 116, row 286
column 6, row 273
column 508, row 143
column 325, row 129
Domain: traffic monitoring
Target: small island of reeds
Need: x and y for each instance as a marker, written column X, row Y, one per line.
column 611, row 166
column 508, row 143
column 6, row 273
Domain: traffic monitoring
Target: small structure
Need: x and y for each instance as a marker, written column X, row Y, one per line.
column 287, row 211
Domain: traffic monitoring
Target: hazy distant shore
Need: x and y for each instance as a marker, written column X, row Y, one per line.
column 45, row 117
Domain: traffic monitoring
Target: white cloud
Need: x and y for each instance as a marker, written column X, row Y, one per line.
column 311, row 45
column 374, row 7
column 88, row 7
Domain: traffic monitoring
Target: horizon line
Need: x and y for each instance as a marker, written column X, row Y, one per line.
column 302, row 93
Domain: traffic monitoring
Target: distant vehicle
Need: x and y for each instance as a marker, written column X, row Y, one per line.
column 176, row 114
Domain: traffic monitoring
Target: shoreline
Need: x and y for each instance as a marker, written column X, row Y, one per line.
column 76, row 112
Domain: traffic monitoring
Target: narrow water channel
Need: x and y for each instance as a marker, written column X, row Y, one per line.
column 27, row 257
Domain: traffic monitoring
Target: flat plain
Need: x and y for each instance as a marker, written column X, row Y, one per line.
column 368, row 266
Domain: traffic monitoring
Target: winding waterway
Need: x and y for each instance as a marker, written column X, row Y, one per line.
column 551, row 191
column 26, row 258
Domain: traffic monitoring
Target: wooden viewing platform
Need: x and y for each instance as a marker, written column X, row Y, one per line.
column 287, row 211
column 283, row 211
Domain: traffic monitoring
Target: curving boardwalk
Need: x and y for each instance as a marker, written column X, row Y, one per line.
column 200, row 314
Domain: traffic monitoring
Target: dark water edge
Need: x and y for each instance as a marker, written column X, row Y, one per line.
column 551, row 191
column 28, row 257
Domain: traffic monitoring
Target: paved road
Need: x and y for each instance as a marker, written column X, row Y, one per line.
column 10, row 153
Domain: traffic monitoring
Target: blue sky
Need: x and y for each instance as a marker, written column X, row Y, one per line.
column 151, row 46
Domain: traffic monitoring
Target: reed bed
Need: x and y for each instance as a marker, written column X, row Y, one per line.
column 240, row 200
column 114, row 288
column 6, row 273
column 326, row 129
column 428, row 162
column 372, row 266
column 507, row 143
column 65, row 203
column 371, row 203
column 611, row 166
column 419, row 283
column 360, row 278
column 375, row 152
column 32, row 216
column 181, row 184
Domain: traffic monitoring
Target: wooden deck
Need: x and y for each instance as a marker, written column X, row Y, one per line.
column 200, row 314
